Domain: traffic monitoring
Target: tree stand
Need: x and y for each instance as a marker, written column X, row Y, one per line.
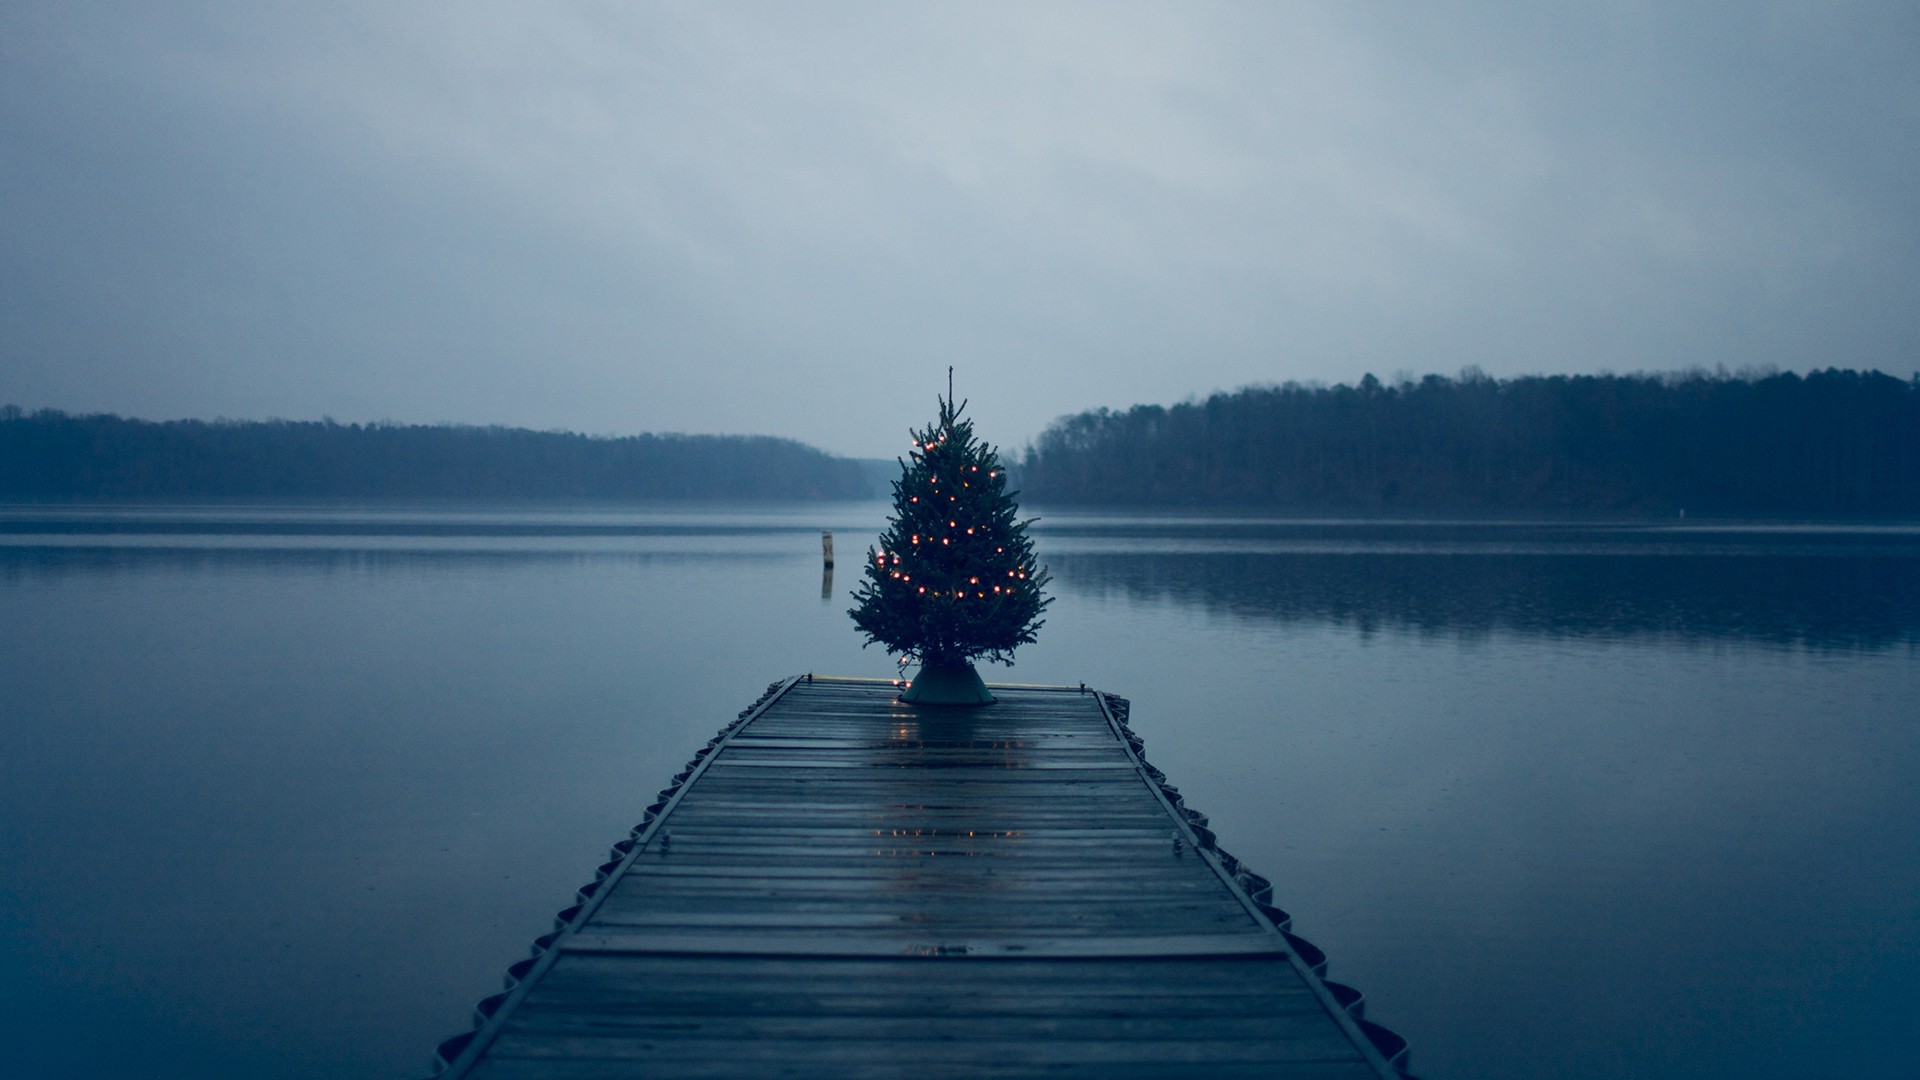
column 947, row 684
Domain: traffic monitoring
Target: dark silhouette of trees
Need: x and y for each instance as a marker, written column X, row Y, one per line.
column 1830, row 443
column 49, row 455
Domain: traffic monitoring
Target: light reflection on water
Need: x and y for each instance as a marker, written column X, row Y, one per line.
column 292, row 785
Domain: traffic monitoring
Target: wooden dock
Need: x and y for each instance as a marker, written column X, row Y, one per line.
column 841, row 885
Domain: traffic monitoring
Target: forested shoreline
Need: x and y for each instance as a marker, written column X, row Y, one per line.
column 52, row 456
column 1831, row 443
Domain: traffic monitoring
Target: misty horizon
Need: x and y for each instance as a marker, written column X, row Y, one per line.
column 790, row 221
column 1399, row 379
column 1832, row 443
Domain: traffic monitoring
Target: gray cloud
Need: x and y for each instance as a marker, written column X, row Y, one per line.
column 789, row 219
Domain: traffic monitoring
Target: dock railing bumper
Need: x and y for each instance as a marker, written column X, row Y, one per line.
column 1312, row 958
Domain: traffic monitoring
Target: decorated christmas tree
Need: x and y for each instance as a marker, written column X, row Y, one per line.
column 953, row 578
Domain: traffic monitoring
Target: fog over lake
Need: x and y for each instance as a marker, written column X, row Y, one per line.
column 284, row 789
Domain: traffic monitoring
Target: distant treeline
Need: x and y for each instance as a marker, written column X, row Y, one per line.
column 49, row 455
column 1830, row 443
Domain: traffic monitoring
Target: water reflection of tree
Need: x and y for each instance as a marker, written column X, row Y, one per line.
column 1828, row 603
column 945, row 848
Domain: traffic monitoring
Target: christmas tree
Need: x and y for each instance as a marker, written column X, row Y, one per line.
column 953, row 578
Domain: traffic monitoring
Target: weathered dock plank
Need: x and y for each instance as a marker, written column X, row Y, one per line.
column 844, row 885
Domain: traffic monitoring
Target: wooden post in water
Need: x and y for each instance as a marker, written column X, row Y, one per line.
column 826, row 565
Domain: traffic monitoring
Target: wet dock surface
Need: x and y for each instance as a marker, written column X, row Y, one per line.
column 844, row 885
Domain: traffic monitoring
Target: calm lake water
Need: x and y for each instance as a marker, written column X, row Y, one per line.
column 284, row 790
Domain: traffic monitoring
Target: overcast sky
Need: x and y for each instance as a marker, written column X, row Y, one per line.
column 789, row 218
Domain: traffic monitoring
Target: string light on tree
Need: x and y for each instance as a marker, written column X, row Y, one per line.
column 925, row 602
